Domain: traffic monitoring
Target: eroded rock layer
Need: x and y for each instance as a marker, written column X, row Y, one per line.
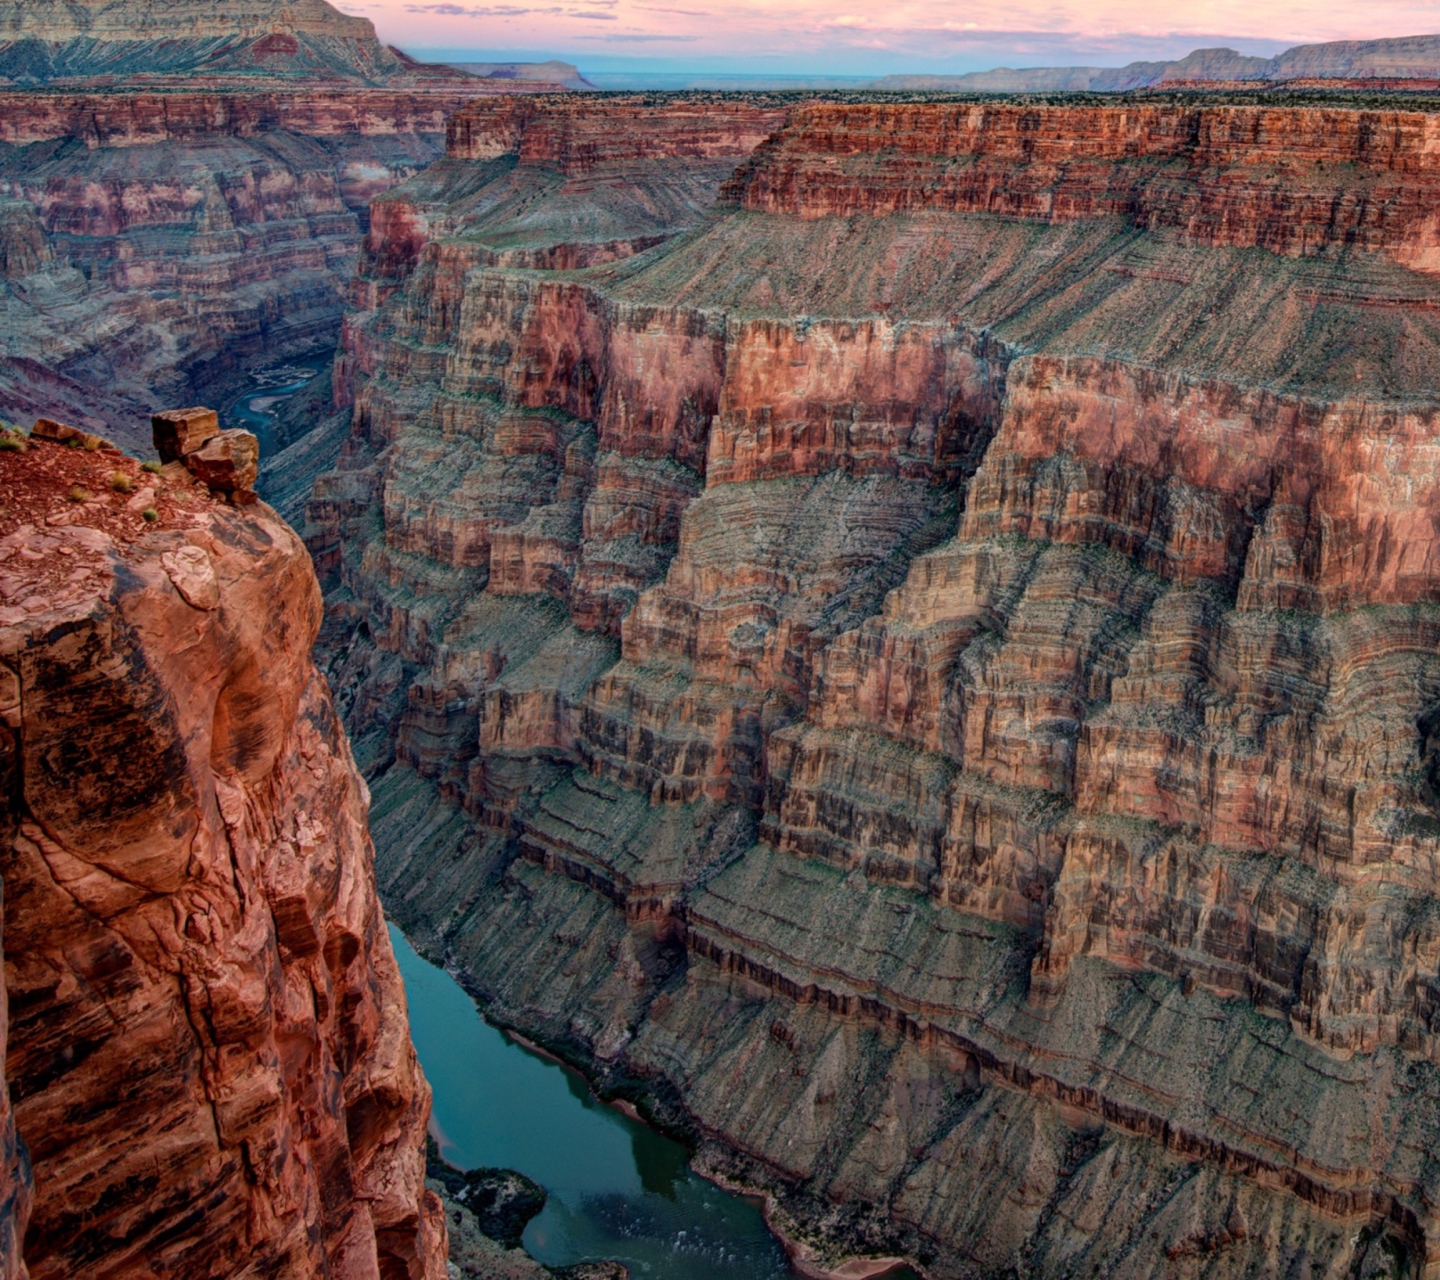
column 926, row 669
column 46, row 40
column 208, row 1049
column 173, row 238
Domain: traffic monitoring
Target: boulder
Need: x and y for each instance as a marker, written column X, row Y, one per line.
column 228, row 462
column 61, row 433
column 178, row 432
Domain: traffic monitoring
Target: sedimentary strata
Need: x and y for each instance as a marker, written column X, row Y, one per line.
column 208, row 1052
column 190, row 183
column 164, row 240
column 47, row 40
column 919, row 657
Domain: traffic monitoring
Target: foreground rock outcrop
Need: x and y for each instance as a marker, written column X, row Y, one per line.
column 208, row 1051
column 917, row 659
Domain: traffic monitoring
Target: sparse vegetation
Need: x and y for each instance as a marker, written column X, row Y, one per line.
column 80, row 494
column 121, row 483
column 151, row 514
column 152, row 467
column 91, row 445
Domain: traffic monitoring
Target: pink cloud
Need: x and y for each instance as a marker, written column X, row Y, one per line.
column 1036, row 32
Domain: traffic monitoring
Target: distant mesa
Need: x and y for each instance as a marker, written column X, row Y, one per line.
column 564, row 74
column 47, row 41
column 1402, row 58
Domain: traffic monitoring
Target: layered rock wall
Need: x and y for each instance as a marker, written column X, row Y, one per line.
column 1290, row 182
column 187, row 235
column 139, row 117
column 924, row 668
column 42, row 40
column 208, row 1049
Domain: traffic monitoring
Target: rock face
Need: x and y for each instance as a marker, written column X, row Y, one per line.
column 16, row 1182
column 208, row 1051
column 42, row 40
column 156, row 242
column 1292, row 183
column 926, row 666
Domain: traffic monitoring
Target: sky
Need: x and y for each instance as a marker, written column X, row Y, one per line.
column 845, row 38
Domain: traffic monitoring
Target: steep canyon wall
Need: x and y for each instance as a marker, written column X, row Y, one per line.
column 910, row 646
column 175, row 237
column 208, row 1051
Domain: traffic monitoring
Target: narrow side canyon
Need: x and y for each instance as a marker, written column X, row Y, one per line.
column 153, row 244
column 183, row 191
column 903, row 637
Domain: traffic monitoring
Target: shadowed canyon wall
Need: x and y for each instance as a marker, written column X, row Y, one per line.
column 911, row 648
column 173, row 238
column 208, row 1054
column 189, row 184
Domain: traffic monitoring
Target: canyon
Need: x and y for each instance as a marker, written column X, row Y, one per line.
column 176, row 213
column 902, row 637
column 208, row 1057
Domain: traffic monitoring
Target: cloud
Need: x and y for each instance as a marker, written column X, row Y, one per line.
column 934, row 35
column 488, row 11
column 621, row 37
column 594, row 17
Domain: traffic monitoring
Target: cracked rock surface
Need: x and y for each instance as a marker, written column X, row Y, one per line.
column 209, row 1056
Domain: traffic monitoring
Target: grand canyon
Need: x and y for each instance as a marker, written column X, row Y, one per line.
column 896, row 631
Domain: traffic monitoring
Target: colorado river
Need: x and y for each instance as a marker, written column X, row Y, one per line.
column 618, row 1190
column 255, row 409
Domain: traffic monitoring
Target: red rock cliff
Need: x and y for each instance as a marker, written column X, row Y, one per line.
column 1285, row 180
column 208, row 1050
column 576, row 137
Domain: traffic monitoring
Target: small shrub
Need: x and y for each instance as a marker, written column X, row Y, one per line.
column 79, row 494
column 12, row 444
column 151, row 514
column 73, row 443
column 121, row 483
column 152, row 467
column 92, row 445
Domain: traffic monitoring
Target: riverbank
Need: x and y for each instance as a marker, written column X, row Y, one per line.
column 616, row 1187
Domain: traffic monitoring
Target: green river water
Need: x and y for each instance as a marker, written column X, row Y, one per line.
column 618, row 1190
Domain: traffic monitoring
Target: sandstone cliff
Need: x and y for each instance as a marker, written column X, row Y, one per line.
column 208, row 1050
column 918, row 661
